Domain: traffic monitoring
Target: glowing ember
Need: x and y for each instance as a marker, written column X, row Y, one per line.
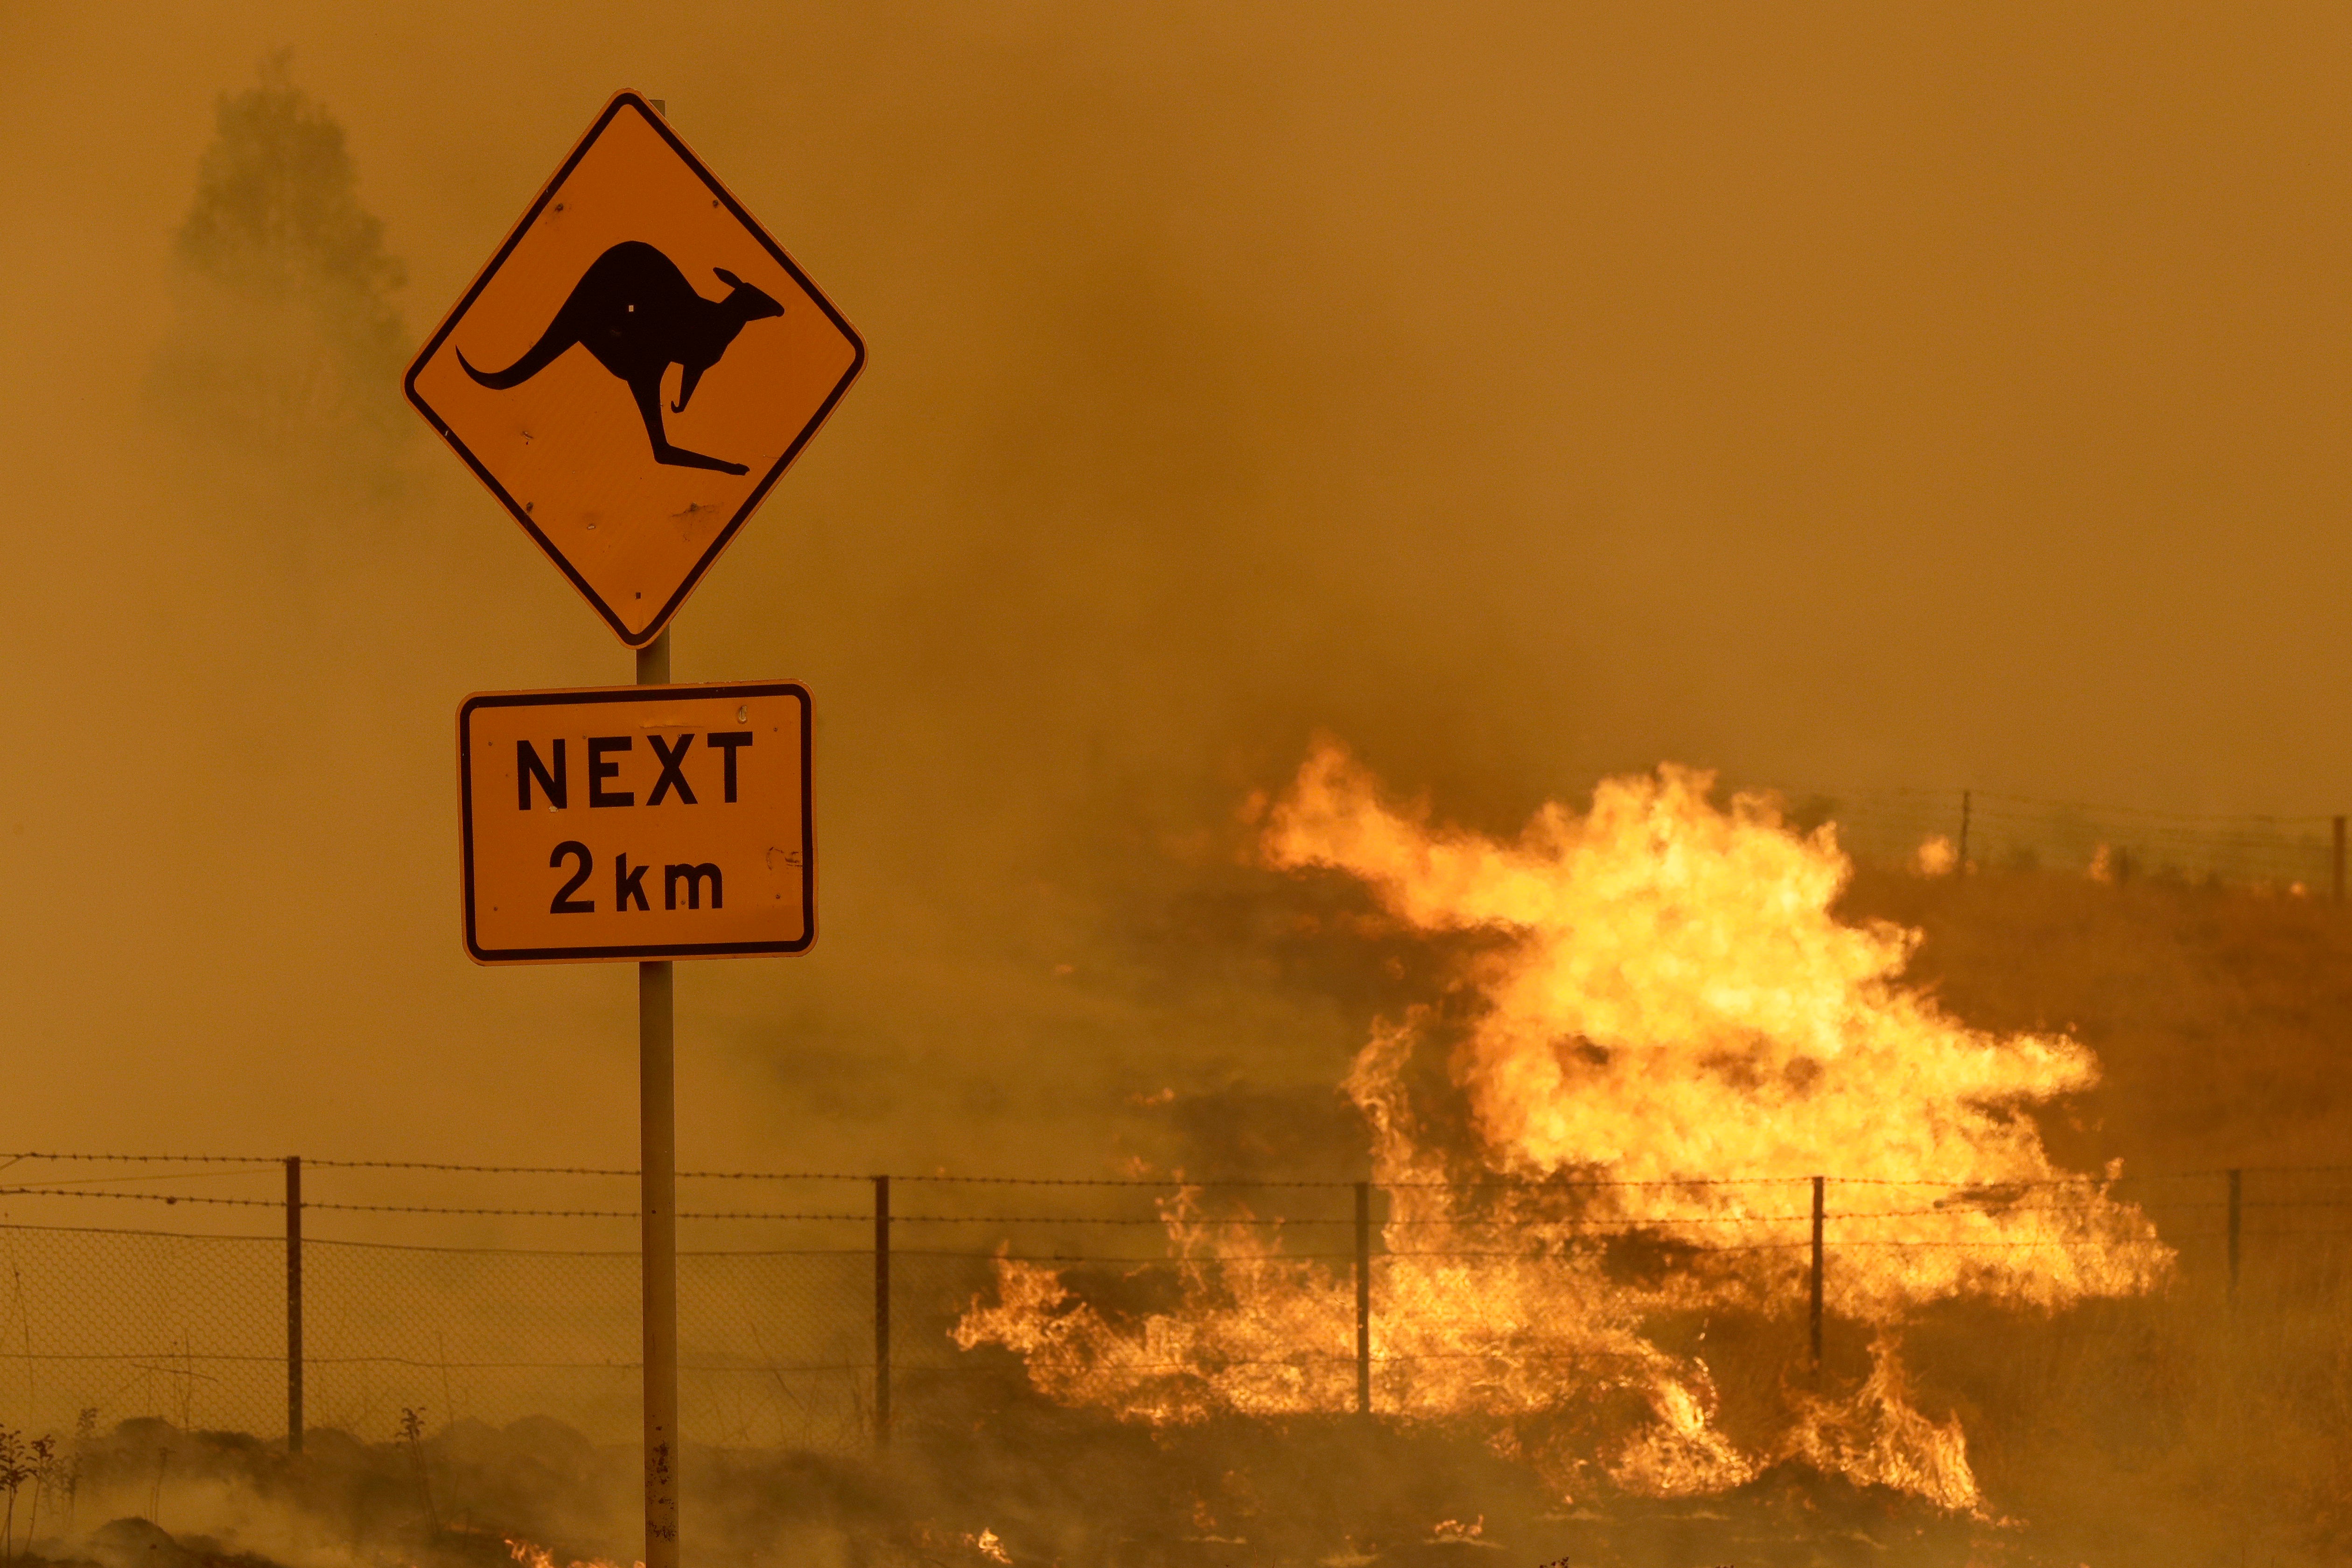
column 1675, row 1034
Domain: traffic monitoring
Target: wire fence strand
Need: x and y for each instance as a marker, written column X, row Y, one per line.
column 495, row 1311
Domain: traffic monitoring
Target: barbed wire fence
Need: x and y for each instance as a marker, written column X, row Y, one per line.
column 814, row 1319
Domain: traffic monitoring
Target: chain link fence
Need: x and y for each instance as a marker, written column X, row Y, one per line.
column 1404, row 1300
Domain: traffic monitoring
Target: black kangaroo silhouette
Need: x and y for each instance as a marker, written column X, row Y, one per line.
column 634, row 311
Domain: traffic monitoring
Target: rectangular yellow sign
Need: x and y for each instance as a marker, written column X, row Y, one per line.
column 637, row 822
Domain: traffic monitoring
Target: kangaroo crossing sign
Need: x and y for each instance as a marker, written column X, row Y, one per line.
column 554, row 377
column 644, row 822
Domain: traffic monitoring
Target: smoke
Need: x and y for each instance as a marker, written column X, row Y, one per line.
column 285, row 340
column 1519, row 401
column 1528, row 398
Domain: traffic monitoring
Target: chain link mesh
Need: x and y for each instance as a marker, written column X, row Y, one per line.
column 1490, row 1299
column 187, row 1329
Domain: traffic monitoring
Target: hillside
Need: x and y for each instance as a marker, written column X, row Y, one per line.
column 2220, row 1016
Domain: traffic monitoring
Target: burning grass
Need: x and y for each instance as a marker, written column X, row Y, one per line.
column 1576, row 1349
column 1669, row 1031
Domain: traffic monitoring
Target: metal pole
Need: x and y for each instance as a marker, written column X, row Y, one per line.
column 658, row 1203
column 882, row 1311
column 1363, row 1298
column 2237, row 1186
column 293, row 1304
column 1961, row 865
column 1815, row 1310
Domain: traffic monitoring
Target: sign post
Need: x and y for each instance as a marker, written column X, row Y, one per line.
column 657, row 1215
column 563, row 378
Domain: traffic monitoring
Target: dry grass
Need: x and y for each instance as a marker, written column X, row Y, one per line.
column 2188, row 1427
column 2220, row 1014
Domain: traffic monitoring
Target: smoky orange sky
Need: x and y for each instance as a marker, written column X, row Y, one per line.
column 1850, row 395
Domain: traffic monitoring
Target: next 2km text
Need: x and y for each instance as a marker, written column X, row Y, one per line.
column 637, row 822
column 552, row 774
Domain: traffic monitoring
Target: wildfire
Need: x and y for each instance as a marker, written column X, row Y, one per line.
column 986, row 1544
column 529, row 1554
column 1674, row 1034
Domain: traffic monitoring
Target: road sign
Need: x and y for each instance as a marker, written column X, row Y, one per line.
column 637, row 822
column 635, row 368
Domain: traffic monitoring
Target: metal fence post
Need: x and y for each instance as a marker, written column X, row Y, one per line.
column 1815, row 1312
column 1363, row 1298
column 293, row 1304
column 882, row 1311
column 2237, row 1189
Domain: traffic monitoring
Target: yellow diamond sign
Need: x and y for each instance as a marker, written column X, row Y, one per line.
column 635, row 368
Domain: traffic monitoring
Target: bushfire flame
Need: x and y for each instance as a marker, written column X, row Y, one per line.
column 1673, row 1033
column 530, row 1554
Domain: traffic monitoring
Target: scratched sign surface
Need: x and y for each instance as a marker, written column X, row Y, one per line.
column 637, row 822
column 635, row 368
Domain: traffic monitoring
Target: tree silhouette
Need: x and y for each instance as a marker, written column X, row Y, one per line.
column 286, row 345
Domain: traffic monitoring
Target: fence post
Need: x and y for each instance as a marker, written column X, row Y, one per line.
column 882, row 1312
column 1363, row 1298
column 1814, row 1313
column 1961, row 864
column 2237, row 1187
column 293, row 1304
column 2340, row 860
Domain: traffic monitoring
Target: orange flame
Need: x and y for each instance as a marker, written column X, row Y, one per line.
column 1675, row 1033
column 529, row 1554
